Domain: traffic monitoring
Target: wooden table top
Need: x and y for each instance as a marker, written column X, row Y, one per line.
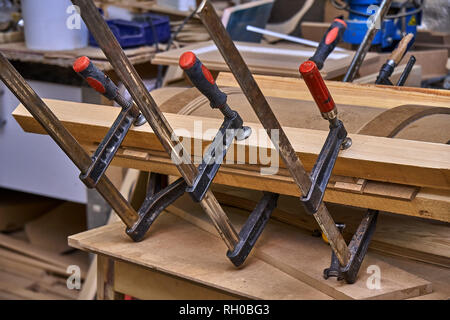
column 179, row 248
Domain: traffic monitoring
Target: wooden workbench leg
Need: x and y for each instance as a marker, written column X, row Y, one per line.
column 105, row 279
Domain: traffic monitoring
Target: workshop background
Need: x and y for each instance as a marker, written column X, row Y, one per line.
column 43, row 201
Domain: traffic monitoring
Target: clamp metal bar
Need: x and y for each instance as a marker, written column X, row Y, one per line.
column 365, row 45
column 268, row 119
column 128, row 74
column 42, row 113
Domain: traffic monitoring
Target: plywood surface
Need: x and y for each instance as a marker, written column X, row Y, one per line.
column 177, row 248
column 418, row 239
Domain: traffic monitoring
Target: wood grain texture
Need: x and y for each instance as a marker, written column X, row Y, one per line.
column 381, row 159
column 385, row 97
column 19, row 51
column 416, row 239
column 428, row 203
column 176, row 248
column 304, row 257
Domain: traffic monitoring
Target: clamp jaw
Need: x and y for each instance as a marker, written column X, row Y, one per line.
column 320, row 175
column 231, row 128
column 157, row 198
column 337, row 137
column 113, row 139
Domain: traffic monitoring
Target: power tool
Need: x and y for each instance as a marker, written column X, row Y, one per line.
column 403, row 18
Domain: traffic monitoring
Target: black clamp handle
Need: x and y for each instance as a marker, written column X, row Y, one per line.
column 95, row 78
column 202, row 79
column 329, row 42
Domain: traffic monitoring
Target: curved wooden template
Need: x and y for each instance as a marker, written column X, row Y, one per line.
column 390, row 122
column 191, row 102
column 358, row 119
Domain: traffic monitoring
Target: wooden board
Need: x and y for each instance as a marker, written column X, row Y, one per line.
column 383, row 164
column 381, row 159
column 414, row 78
column 432, row 62
column 51, row 230
column 304, row 257
column 89, row 288
column 30, row 250
column 384, row 97
column 281, row 60
column 427, row 203
column 20, row 279
column 416, row 239
column 11, row 36
column 174, row 248
column 146, row 284
column 410, row 122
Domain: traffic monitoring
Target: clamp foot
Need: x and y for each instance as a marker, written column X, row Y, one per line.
column 358, row 248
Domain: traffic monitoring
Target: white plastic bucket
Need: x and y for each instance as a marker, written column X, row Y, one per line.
column 53, row 25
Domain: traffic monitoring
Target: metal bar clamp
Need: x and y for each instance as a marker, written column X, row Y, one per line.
column 128, row 115
column 337, row 139
column 231, row 128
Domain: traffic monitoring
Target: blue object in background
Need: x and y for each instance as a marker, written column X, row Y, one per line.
column 391, row 30
column 138, row 32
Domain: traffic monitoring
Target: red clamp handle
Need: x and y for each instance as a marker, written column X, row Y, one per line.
column 317, row 87
column 329, row 42
column 95, row 77
column 202, row 79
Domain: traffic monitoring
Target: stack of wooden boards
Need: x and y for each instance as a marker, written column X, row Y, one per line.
column 34, row 255
column 402, row 176
column 19, row 51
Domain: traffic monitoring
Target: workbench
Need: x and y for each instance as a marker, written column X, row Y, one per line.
column 156, row 268
column 182, row 257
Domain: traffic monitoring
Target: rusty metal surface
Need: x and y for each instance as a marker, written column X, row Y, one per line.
column 41, row 112
column 268, row 119
column 150, row 110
